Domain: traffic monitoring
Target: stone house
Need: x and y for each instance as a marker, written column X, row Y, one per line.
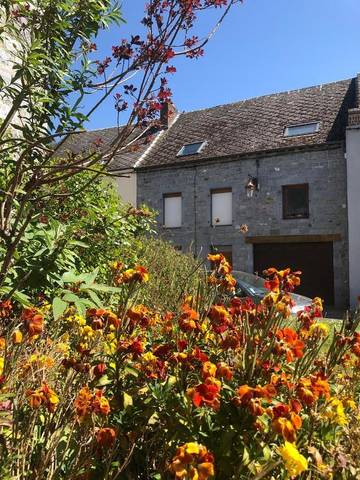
column 285, row 165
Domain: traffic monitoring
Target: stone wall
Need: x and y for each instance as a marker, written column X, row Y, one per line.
column 324, row 171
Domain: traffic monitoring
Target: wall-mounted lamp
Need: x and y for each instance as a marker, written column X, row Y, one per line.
column 252, row 186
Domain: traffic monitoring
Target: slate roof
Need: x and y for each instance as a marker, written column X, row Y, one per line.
column 257, row 125
column 86, row 142
column 237, row 129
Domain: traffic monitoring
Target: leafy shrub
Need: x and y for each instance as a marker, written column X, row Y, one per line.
column 209, row 390
column 173, row 274
column 75, row 232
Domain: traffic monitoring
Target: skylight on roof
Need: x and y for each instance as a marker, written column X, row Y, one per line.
column 191, row 149
column 302, row 129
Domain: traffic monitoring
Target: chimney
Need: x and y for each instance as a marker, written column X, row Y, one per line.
column 354, row 113
column 167, row 114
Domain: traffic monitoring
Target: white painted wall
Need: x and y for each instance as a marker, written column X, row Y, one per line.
column 353, row 189
column 126, row 187
column 5, row 73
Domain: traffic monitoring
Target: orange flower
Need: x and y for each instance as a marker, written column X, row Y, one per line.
column 5, row 308
column 219, row 263
column 206, row 394
column 289, row 343
column 43, row 396
column 220, row 318
column 33, row 320
column 88, row 402
column 286, row 421
column 285, row 280
column 192, row 462
column 252, row 397
column 216, row 258
column 224, row 371
column 105, row 437
column 137, row 274
column 309, row 390
column 189, row 319
column 228, row 282
column 208, row 370
column 139, row 314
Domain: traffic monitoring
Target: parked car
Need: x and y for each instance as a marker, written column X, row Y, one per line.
column 249, row 285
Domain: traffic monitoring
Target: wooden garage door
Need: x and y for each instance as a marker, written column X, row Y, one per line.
column 315, row 260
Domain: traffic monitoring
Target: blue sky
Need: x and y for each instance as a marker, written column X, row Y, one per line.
column 264, row 46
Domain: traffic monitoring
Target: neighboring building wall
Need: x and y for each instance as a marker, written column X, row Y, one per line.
column 353, row 191
column 126, row 187
column 324, row 170
column 5, row 73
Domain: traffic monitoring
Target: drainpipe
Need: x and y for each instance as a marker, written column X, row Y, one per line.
column 195, row 210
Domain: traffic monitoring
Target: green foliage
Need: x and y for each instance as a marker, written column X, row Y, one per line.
column 79, row 233
column 79, row 291
column 98, row 219
column 174, row 274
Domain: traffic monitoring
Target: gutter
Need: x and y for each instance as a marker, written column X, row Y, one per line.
column 242, row 156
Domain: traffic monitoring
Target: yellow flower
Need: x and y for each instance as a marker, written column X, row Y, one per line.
column 87, row 331
column 149, row 357
column 319, row 329
column 17, row 337
column 192, row 448
column 349, row 403
column 1, row 366
column 334, row 411
column 295, row 463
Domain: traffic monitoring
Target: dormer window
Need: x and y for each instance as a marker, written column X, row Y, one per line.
column 302, row 129
column 191, row 149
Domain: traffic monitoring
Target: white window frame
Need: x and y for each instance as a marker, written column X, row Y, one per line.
column 288, row 133
column 178, row 208
column 182, row 149
column 217, row 218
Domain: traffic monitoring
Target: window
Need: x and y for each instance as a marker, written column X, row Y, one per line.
column 191, row 149
column 226, row 250
column 302, row 129
column 172, row 203
column 296, row 201
column 221, row 207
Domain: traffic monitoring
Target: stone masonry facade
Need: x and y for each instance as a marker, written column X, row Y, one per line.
column 323, row 169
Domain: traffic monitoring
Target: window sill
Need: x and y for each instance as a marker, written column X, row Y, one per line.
column 297, row 218
column 171, row 228
column 217, row 225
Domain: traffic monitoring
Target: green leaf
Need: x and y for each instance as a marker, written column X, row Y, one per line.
column 131, row 371
column 70, row 277
column 59, row 307
column 127, row 399
column 95, row 298
column 70, row 297
column 103, row 381
column 246, row 457
column 153, row 419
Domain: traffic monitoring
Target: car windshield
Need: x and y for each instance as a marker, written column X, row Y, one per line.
column 254, row 284
column 254, row 290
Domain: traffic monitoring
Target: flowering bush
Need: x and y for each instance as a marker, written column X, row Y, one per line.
column 221, row 388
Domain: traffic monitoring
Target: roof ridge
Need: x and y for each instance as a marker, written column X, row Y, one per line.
column 154, row 142
column 286, row 92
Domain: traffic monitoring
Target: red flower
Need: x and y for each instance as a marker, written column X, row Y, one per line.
column 206, row 394
column 105, row 437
